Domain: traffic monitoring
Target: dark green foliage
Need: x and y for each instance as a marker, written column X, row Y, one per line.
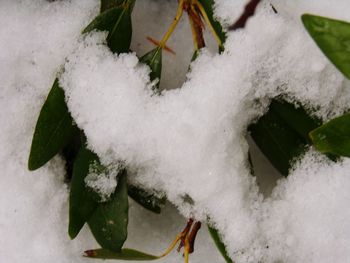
column 281, row 134
column 145, row 199
column 82, row 203
column 333, row 38
column 54, row 129
column 154, row 60
column 333, row 137
column 109, row 221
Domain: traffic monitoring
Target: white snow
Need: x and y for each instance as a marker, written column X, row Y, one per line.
column 188, row 142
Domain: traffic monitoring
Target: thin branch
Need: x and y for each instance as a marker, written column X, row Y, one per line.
column 249, row 11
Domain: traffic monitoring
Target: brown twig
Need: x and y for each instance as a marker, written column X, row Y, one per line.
column 249, row 11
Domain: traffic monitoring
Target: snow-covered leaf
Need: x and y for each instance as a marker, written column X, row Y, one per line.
column 124, row 254
column 54, row 129
column 333, row 38
column 146, row 199
column 333, row 137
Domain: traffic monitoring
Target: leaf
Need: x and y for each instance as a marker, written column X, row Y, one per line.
column 108, row 4
column 119, row 38
column 208, row 7
column 54, row 129
column 277, row 140
column 117, row 21
column 296, row 118
column 333, row 38
column 219, row 244
column 145, row 199
column 110, row 220
column 154, row 60
column 333, row 137
column 125, row 254
column 82, row 203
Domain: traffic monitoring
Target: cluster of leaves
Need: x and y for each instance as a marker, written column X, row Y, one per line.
column 285, row 131
column 55, row 133
column 282, row 134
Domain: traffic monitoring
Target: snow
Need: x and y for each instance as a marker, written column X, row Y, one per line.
column 190, row 142
column 102, row 180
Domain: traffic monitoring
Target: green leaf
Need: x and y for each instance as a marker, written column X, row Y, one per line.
column 54, row 129
column 105, row 21
column 125, row 254
column 154, row 60
column 277, row 140
column 296, row 118
column 208, row 7
column 82, row 203
column 145, row 199
column 108, row 4
column 333, row 137
column 117, row 21
column 219, row 244
column 110, row 220
column 333, row 38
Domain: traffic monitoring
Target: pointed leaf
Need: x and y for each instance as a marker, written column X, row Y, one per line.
column 154, row 60
column 296, row 118
column 277, row 140
column 105, row 21
column 108, row 4
column 119, row 38
column 82, row 203
column 54, row 129
column 110, row 220
column 117, row 21
column 333, row 137
column 125, row 254
column 333, row 38
column 145, row 199
column 219, row 244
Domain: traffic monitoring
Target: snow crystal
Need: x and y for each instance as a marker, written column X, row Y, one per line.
column 102, row 180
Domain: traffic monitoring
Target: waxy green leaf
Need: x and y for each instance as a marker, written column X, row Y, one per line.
column 219, row 244
column 333, row 137
column 54, row 129
column 104, row 21
column 333, row 38
column 119, row 38
column 110, row 220
column 117, row 21
column 277, row 139
column 124, row 254
column 108, row 4
column 154, row 60
column 145, row 199
column 82, row 203
column 296, row 118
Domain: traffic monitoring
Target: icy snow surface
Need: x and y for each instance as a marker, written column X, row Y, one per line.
column 190, row 141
